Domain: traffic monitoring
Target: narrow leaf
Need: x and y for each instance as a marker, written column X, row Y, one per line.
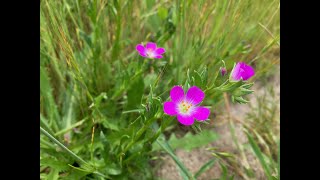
column 205, row 167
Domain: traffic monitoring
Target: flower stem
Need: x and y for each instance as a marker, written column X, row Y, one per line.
column 161, row 129
column 214, row 87
column 139, row 133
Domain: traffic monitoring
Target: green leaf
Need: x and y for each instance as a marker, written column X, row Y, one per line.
column 204, row 76
column 247, row 86
column 75, row 174
column 54, row 174
column 197, row 79
column 259, row 155
column 43, row 176
column 150, row 79
column 239, row 100
column 250, row 173
column 98, row 99
column 153, row 105
column 186, row 85
column 231, row 86
column 190, row 141
column 162, row 13
column 70, row 127
column 44, row 82
column 169, row 150
column 52, row 112
column 183, row 175
column 44, row 123
column 86, row 38
column 224, row 172
column 135, row 93
column 205, row 167
column 113, row 169
column 242, row 91
column 83, row 168
column 106, row 147
column 110, row 124
column 54, row 163
column 68, row 112
column 75, row 157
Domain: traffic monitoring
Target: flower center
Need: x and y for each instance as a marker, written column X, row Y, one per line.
column 150, row 52
column 185, row 107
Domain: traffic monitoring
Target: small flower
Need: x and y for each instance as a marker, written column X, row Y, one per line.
column 223, row 71
column 150, row 51
column 241, row 71
column 185, row 107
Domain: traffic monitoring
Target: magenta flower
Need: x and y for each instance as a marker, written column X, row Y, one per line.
column 223, row 71
column 151, row 50
column 185, row 106
column 241, row 71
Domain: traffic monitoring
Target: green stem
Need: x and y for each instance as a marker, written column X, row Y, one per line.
column 161, row 129
column 139, row 133
column 216, row 88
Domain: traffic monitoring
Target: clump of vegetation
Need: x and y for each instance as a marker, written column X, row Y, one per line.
column 101, row 101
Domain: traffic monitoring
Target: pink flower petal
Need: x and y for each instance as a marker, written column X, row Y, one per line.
column 235, row 74
column 242, row 71
column 160, row 51
column 249, row 72
column 158, row 56
column 201, row 113
column 151, row 46
column 185, row 120
column 176, row 94
column 195, row 95
column 143, row 54
column 140, row 48
column 169, row 108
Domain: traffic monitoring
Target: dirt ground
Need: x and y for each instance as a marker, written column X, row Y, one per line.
column 196, row 158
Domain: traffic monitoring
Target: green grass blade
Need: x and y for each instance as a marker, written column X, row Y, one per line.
column 70, row 127
column 205, row 167
column 259, row 155
column 169, row 150
column 224, row 172
column 43, row 122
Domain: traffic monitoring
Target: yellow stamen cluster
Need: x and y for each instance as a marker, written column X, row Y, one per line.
column 185, row 106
